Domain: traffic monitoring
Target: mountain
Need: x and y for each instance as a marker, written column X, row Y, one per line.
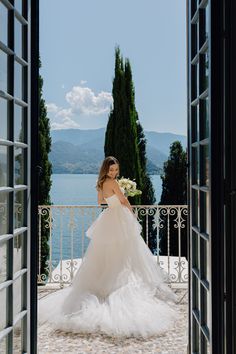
column 162, row 141
column 77, row 136
column 81, row 151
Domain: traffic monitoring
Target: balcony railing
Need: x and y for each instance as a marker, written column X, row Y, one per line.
column 65, row 227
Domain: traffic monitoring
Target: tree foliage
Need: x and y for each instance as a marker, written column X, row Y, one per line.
column 174, row 191
column 148, row 195
column 45, row 171
column 121, row 138
column 125, row 138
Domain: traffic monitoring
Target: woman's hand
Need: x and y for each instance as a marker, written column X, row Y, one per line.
column 127, row 204
column 101, row 200
column 120, row 195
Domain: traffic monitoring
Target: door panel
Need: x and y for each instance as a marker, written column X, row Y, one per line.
column 16, row 23
column 206, row 177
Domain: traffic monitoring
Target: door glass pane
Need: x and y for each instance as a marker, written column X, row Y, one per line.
column 3, row 166
column 195, row 166
column 3, row 321
column 18, row 38
column 194, row 5
column 19, row 209
column 205, row 259
column 194, row 41
column 19, row 166
column 18, row 252
column 19, row 345
column 4, row 345
column 195, row 78
column 206, row 70
column 3, row 261
column 195, row 250
column 3, row 24
column 18, row 6
column 4, row 218
column 17, row 289
column 195, row 293
column 18, row 81
column 195, row 122
column 3, row 71
column 204, row 119
column 195, row 206
column 19, row 123
column 17, row 338
column 203, row 344
column 204, row 23
column 204, row 307
column 195, row 348
column 3, row 118
column 205, row 165
column 205, row 205
column 204, row 64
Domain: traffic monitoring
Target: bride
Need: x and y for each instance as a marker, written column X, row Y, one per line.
column 119, row 289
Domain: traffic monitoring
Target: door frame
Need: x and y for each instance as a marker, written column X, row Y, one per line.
column 34, row 162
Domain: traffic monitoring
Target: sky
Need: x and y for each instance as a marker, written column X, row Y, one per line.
column 77, row 48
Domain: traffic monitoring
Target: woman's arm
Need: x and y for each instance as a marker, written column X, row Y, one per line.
column 101, row 200
column 120, row 195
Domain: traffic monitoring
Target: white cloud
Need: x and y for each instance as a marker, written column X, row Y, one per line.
column 83, row 82
column 83, row 102
column 64, row 113
column 65, row 123
column 52, row 108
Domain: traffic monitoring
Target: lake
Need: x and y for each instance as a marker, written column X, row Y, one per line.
column 79, row 189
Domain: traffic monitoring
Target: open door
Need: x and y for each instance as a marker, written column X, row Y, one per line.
column 18, row 191
column 211, row 188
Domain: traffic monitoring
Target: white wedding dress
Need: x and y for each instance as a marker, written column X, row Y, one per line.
column 119, row 289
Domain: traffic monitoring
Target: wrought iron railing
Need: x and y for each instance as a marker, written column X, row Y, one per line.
column 65, row 226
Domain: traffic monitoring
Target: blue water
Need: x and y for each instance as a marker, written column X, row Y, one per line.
column 79, row 189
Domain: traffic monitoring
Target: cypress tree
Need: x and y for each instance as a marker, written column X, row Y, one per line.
column 121, row 138
column 125, row 139
column 45, row 172
column 174, row 191
column 148, row 195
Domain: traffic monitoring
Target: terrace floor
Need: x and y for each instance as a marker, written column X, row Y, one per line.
column 173, row 342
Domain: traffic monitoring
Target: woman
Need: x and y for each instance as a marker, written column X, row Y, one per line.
column 119, row 289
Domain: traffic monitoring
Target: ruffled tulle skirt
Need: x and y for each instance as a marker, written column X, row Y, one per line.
column 119, row 289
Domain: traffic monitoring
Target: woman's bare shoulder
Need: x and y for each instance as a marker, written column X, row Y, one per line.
column 110, row 183
column 114, row 184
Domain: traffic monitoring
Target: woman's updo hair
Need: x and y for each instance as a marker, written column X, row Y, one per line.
column 107, row 162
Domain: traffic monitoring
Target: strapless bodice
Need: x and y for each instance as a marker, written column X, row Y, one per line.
column 114, row 201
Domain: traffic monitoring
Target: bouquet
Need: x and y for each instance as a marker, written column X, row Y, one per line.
column 129, row 186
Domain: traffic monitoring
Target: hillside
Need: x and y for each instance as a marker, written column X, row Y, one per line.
column 81, row 151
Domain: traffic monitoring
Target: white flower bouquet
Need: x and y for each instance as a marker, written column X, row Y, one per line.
column 129, row 186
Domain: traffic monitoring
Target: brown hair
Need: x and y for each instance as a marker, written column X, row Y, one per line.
column 107, row 162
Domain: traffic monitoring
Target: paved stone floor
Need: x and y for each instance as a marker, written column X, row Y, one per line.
column 173, row 342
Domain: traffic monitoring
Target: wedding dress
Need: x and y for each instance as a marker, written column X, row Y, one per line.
column 119, row 289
